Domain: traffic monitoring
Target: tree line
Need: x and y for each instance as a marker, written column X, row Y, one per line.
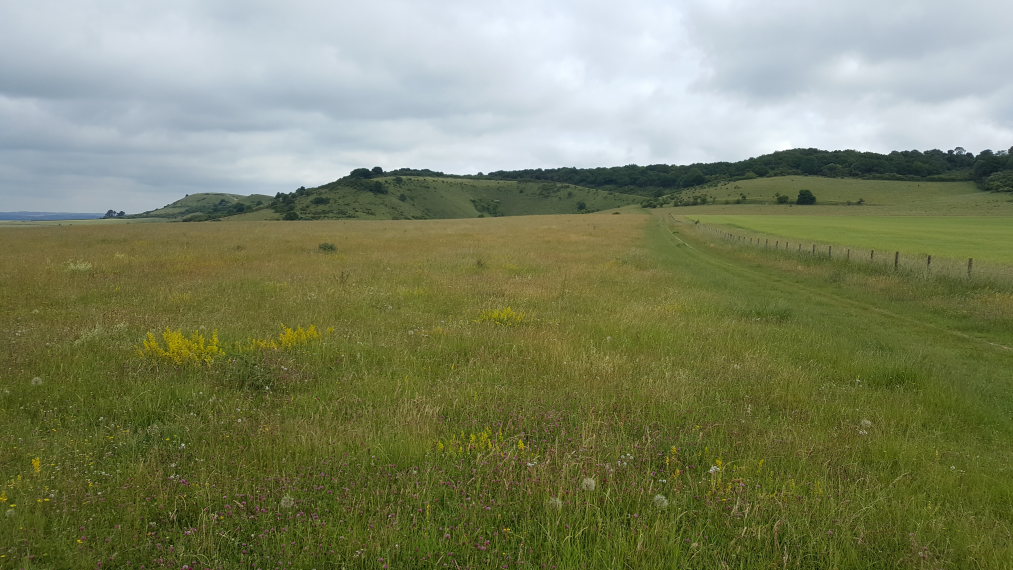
column 991, row 170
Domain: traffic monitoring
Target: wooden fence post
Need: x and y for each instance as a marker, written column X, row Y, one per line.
column 896, row 260
column 830, row 251
column 970, row 265
column 928, row 263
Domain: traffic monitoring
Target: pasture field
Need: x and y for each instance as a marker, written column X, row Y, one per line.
column 957, row 237
column 592, row 391
column 833, row 195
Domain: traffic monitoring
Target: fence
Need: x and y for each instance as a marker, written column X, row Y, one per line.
column 924, row 265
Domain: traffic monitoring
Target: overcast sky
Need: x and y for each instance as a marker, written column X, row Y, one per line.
column 130, row 104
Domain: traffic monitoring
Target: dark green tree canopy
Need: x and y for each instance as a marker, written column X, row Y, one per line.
column 805, row 198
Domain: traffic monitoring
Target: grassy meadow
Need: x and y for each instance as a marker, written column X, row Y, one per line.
column 593, row 391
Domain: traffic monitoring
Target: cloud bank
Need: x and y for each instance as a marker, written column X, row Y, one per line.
column 109, row 104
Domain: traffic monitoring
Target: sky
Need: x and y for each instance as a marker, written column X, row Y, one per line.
column 132, row 104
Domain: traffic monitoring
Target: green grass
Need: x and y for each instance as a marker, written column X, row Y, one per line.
column 958, row 237
column 789, row 413
column 881, row 197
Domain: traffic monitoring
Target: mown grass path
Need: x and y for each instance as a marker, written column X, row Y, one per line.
column 838, row 299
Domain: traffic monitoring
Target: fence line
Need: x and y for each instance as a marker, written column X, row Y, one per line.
column 925, row 265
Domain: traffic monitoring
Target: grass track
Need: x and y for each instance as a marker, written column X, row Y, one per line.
column 796, row 289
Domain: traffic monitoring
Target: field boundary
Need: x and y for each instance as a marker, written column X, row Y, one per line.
column 839, row 300
column 926, row 266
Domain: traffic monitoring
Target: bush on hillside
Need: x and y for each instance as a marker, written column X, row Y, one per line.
column 805, row 198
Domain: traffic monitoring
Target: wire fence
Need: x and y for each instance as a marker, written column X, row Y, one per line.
column 886, row 259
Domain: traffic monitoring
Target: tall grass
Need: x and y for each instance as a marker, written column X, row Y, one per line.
column 660, row 403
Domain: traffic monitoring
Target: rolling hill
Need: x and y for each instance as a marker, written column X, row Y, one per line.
column 206, row 206
column 400, row 198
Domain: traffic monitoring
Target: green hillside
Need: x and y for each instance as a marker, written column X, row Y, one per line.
column 205, row 206
column 391, row 197
column 842, row 196
column 417, row 198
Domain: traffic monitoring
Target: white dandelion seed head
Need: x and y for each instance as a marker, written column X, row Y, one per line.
column 556, row 503
column 660, row 501
column 287, row 502
column 588, row 484
column 37, row 381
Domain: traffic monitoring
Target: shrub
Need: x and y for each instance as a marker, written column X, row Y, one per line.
column 805, row 198
column 327, row 247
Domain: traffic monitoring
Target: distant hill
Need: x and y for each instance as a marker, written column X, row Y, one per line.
column 207, row 206
column 425, row 194
column 45, row 216
column 400, row 198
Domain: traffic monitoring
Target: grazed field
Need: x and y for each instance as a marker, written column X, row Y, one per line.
column 956, row 237
column 561, row 391
column 833, row 196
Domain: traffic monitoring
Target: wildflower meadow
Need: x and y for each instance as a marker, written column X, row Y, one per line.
column 586, row 391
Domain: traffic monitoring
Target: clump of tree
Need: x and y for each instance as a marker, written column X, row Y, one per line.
column 1000, row 181
column 114, row 214
column 805, row 198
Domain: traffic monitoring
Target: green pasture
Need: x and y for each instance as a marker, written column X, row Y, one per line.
column 956, row 237
column 841, row 196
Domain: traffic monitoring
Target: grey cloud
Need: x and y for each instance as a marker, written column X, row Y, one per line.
column 914, row 49
column 138, row 103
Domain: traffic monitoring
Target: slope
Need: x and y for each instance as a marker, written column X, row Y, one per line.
column 204, row 206
column 410, row 197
